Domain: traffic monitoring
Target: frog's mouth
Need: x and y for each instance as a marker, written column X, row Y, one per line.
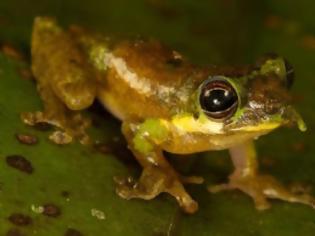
column 287, row 117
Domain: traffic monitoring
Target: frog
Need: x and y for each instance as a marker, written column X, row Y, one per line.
column 166, row 104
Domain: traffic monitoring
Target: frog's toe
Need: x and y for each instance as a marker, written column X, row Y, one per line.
column 38, row 118
column 260, row 200
column 183, row 198
column 271, row 188
column 262, row 187
column 31, row 118
column 276, row 190
column 60, row 137
column 77, row 128
column 66, row 136
column 129, row 188
column 152, row 182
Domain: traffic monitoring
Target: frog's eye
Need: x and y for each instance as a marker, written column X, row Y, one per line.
column 218, row 99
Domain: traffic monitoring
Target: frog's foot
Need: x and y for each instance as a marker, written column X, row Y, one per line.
column 72, row 126
column 154, row 181
column 262, row 187
column 38, row 117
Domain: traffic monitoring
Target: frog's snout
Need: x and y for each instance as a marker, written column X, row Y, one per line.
column 291, row 116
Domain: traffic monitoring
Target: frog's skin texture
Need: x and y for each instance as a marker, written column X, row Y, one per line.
column 156, row 93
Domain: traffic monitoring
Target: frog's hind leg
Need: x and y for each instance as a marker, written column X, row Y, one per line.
column 65, row 82
column 157, row 176
column 259, row 187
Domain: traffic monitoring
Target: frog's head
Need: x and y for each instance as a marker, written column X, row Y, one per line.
column 255, row 103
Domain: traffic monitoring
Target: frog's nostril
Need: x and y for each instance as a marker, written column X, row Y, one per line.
column 289, row 74
column 272, row 107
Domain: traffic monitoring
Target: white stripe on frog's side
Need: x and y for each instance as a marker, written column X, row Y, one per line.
column 140, row 84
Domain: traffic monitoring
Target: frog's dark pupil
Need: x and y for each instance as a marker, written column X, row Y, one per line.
column 218, row 99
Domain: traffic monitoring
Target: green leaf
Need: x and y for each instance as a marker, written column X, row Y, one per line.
column 74, row 185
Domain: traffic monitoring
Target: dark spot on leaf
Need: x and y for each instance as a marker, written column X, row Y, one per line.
column 21, row 163
column 51, row 210
column 65, row 194
column 14, row 232
column 26, row 139
column 73, row 232
column 20, row 219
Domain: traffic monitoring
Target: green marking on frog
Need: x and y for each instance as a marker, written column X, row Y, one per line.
column 151, row 132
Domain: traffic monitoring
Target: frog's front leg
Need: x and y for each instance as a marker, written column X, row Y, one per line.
column 158, row 176
column 260, row 187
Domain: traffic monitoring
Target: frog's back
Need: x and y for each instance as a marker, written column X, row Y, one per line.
column 145, row 79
